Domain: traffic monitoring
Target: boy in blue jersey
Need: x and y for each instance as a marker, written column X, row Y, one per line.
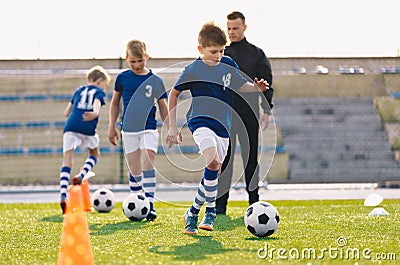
column 82, row 114
column 211, row 80
column 139, row 88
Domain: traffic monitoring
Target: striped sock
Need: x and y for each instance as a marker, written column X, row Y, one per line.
column 135, row 183
column 210, row 187
column 65, row 173
column 89, row 165
column 206, row 192
column 149, row 186
column 199, row 199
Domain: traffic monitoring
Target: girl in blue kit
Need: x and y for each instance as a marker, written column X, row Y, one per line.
column 82, row 114
column 211, row 80
column 139, row 89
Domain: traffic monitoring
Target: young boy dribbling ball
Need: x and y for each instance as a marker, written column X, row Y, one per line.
column 139, row 89
column 82, row 114
column 211, row 80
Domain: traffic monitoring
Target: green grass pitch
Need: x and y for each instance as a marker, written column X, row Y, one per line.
column 310, row 232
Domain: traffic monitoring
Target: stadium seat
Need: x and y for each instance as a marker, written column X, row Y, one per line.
column 40, row 151
column 35, row 97
column 105, row 150
column 10, row 98
column 11, row 125
column 38, row 124
column 9, row 151
column 61, row 97
column 59, row 124
column 396, row 95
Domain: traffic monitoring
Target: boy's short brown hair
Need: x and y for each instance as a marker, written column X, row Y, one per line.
column 136, row 48
column 210, row 34
column 97, row 72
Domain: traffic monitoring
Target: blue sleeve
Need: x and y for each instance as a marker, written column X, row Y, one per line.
column 100, row 96
column 162, row 93
column 72, row 99
column 185, row 78
column 118, row 86
column 160, row 88
column 238, row 79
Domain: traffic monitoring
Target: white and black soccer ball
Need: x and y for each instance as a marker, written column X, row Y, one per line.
column 261, row 219
column 136, row 206
column 103, row 200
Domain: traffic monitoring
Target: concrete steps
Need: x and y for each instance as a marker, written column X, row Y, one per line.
column 335, row 140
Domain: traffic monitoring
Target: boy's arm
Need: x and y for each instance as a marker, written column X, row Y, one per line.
column 113, row 115
column 68, row 109
column 257, row 86
column 162, row 105
column 173, row 136
column 91, row 115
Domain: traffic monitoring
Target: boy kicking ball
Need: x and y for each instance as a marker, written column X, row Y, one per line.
column 211, row 80
column 82, row 114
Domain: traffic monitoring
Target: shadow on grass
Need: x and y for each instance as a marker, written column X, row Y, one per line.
column 226, row 223
column 58, row 218
column 107, row 229
column 268, row 238
column 199, row 250
column 100, row 229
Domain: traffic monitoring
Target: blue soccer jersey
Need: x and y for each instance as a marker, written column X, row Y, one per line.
column 82, row 101
column 139, row 95
column 211, row 89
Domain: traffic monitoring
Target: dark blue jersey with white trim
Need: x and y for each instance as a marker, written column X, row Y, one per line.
column 139, row 95
column 211, row 88
column 82, row 101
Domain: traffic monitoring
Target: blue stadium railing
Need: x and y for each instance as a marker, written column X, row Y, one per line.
column 15, row 151
column 38, row 150
column 38, row 97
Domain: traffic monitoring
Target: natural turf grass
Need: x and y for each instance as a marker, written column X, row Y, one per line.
column 30, row 234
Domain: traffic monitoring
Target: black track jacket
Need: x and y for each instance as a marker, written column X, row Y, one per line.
column 254, row 63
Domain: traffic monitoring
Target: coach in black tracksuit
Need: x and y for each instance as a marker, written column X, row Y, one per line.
column 254, row 63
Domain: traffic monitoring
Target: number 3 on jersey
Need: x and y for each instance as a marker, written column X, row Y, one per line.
column 149, row 91
column 86, row 101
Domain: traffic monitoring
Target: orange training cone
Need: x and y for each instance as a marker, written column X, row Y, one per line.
column 75, row 199
column 75, row 245
column 87, row 205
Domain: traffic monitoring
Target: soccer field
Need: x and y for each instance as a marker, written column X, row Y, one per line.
column 310, row 232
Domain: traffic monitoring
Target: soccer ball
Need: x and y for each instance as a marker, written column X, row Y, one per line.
column 136, row 206
column 261, row 219
column 103, row 200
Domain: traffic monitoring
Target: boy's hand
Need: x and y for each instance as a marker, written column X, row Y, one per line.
column 89, row 116
column 113, row 136
column 173, row 137
column 261, row 84
column 265, row 119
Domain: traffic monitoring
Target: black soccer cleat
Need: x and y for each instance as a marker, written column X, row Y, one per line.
column 152, row 215
column 63, row 205
column 77, row 180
